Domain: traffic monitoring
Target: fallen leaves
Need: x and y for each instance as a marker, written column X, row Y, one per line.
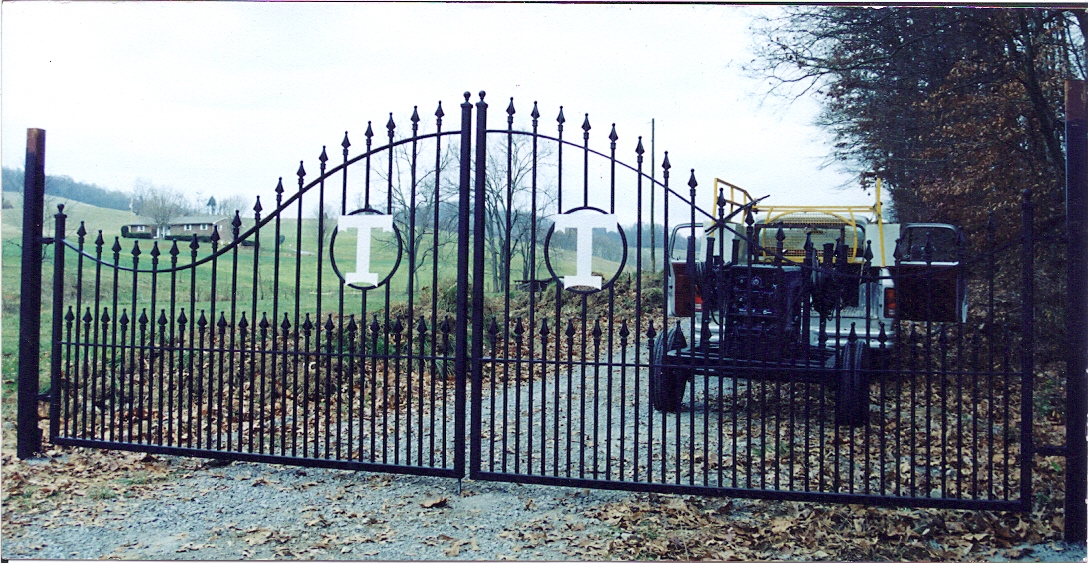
column 435, row 502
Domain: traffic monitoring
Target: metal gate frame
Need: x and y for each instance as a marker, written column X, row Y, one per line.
column 469, row 356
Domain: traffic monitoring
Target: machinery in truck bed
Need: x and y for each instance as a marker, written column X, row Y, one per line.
column 801, row 293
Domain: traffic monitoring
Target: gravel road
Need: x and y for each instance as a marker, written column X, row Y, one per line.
column 245, row 510
column 163, row 507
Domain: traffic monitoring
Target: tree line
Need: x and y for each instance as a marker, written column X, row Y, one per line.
column 958, row 110
column 67, row 188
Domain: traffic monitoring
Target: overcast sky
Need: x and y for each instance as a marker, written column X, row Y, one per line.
column 224, row 98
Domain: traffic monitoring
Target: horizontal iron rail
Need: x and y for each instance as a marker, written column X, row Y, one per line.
column 225, row 248
column 645, row 176
column 230, row 455
column 837, row 498
column 266, row 352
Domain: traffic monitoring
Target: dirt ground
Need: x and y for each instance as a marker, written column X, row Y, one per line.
column 75, row 503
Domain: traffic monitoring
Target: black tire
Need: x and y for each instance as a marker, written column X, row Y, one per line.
column 852, row 385
column 667, row 385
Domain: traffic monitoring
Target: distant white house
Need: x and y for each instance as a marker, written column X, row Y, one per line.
column 180, row 227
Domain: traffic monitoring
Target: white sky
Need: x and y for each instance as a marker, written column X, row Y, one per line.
column 224, row 98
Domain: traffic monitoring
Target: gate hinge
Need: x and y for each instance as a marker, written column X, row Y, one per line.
column 48, row 240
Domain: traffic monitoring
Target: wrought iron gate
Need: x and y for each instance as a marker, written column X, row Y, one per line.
column 439, row 275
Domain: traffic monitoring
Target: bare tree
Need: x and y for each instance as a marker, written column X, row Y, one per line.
column 423, row 211
column 510, row 215
column 158, row 204
column 326, row 222
column 229, row 204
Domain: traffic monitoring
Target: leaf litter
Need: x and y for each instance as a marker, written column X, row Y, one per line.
column 326, row 514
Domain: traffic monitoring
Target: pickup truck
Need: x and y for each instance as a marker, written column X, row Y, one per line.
column 803, row 293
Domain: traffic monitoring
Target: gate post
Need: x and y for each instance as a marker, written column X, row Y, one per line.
column 29, row 436
column 460, row 359
column 1076, row 217
column 478, row 284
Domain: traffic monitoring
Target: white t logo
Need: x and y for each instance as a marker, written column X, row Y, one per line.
column 584, row 221
column 364, row 223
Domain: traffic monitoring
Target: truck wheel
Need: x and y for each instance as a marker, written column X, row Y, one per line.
column 852, row 385
column 667, row 385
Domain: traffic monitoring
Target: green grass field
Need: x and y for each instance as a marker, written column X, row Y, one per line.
column 245, row 280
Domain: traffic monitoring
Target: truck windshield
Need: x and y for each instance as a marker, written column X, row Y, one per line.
column 944, row 242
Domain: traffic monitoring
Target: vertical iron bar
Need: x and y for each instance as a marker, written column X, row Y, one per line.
column 434, row 284
column 1027, row 350
column 569, row 332
column 533, row 226
column 152, row 392
column 55, row 386
column 99, row 379
column 505, row 264
column 68, row 399
column 117, row 411
column 991, row 228
column 253, row 389
column 232, row 375
column 162, row 389
column 691, row 256
column 413, row 164
column 544, row 395
column 193, row 404
column 340, row 321
column 460, row 360
column 275, row 327
column 221, row 325
column 210, row 320
column 173, row 365
column 324, row 389
column 582, row 390
column 505, row 268
column 79, row 380
column 266, row 429
column 639, row 151
column 422, row 329
column 135, row 368
column 301, row 173
column 1076, row 213
column 478, row 280
column 375, row 330
column 322, row 159
column 665, row 167
column 206, row 386
column 398, row 330
column 144, row 372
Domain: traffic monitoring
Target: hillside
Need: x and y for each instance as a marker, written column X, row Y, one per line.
column 65, row 187
column 95, row 217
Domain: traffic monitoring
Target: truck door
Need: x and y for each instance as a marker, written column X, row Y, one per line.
column 930, row 284
column 683, row 293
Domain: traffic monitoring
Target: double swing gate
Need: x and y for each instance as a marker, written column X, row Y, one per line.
column 490, row 299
